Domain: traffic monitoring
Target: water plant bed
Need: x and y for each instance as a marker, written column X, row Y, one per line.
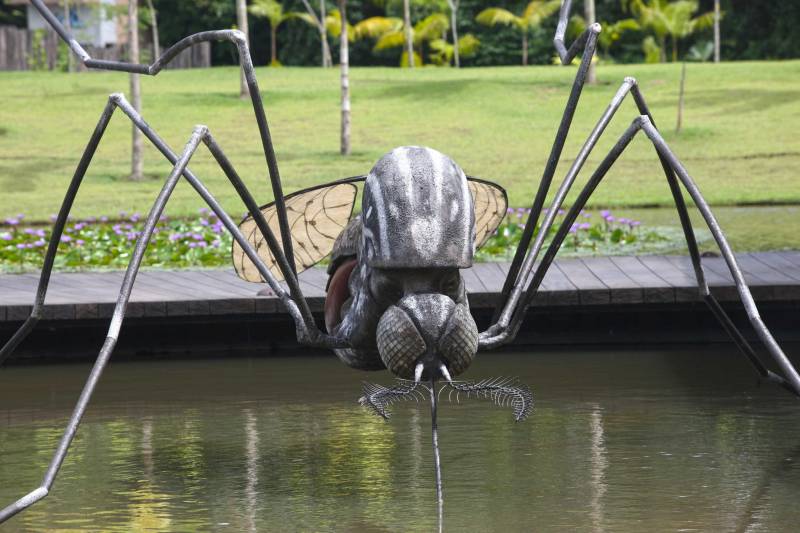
column 104, row 243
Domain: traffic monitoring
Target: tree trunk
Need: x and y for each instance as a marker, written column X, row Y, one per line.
column 327, row 61
column 137, row 162
column 68, row 26
column 408, row 30
column 344, row 62
column 154, row 29
column 662, row 42
column 273, row 44
column 241, row 22
column 588, row 7
column 525, row 47
column 454, row 26
column 716, row 31
column 679, row 123
column 674, row 49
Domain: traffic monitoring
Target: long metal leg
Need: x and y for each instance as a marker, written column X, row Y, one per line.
column 587, row 41
column 58, row 230
column 239, row 39
column 296, row 303
column 113, row 332
column 791, row 381
column 694, row 254
column 628, row 86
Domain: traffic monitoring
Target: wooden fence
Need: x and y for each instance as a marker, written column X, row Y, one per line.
column 22, row 49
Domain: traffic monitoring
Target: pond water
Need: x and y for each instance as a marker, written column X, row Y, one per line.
column 618, row 441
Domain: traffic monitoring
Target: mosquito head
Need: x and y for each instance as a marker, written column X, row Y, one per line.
column 427, row 336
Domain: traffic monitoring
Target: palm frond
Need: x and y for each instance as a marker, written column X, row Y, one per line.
column 494, row 16
column 392, row 39
column 536, row 11
column 431, row 27
column 375, row 27
column 468, row 45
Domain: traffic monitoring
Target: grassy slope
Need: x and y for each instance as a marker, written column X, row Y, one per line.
column 740, row 139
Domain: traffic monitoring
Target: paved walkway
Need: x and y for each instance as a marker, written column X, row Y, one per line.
column 772, row 276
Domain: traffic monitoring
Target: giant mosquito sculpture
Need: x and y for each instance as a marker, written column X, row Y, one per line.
column 396, row 299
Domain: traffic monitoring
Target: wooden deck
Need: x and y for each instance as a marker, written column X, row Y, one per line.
column 596, row 281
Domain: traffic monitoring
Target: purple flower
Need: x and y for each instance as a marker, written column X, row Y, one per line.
column 135, row 217
column 610, row 218
column 80, row 242
column 12, row 221
column 509, row 211
column 66, row 238
column 39, row 243
column 131, row 235
column 192, row 245
column 201, row 244
column 623, row 220
column 584, row 225
column 90, row 220
column 175, row 236
column 30, row 231
column 21, row 246
column 605, row 213
column 53, row 218
column 203, row 211
column 5, row 236
column 103, row 218
column 79, row 226
column 586, row 215
column 198, row 237
column 203, row 222
column 560, row 212
column 634, row 223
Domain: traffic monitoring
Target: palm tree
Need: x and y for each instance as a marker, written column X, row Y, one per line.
column 670, row 19
column 323, row 23
column 391, row 32
column 611, row 32
column 273, row 11
column 443, row 52
column 535, row 12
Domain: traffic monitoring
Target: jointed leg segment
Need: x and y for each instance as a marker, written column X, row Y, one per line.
column 298, row 308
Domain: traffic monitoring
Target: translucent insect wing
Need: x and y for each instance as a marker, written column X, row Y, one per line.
column 316, row 217
column 490, row 203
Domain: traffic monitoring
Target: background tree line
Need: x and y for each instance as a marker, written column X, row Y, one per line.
column 750, row 30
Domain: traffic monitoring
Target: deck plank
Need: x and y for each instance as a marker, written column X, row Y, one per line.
column 587, row 281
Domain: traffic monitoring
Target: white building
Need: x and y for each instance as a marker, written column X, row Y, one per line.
column 97, row 23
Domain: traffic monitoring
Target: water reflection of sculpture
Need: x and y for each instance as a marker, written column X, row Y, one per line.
column 396, row 298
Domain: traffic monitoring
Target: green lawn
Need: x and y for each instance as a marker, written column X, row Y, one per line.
column 740, row 142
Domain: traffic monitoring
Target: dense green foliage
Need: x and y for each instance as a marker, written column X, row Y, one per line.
column 750, row 30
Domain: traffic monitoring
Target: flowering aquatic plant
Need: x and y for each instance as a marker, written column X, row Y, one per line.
column 589, row 235
column 102, row 243
column 202, row 241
